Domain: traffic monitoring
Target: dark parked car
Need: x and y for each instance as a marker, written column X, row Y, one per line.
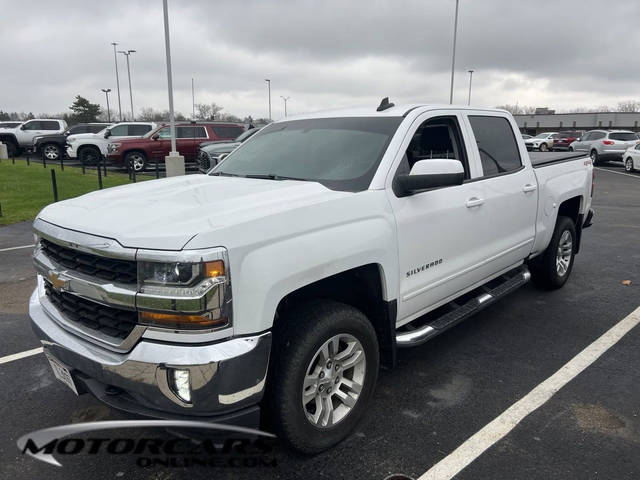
column 211, row 153
column 51, row 147
column 136, row 153
column 564, row 139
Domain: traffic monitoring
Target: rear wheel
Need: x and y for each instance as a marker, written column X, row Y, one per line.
column 594, row 156
column 571, row 149
column 543, row 147
column 552, row 268
column 628, row 164
column 12, row 149
column 322, row 379
column 51, row 152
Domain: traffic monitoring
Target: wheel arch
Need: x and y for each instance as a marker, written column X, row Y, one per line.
column 361, row 287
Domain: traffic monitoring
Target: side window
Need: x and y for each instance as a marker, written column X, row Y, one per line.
column 496, row 144
column 597, row 135
column 439, row 138
column 76, row 129
column 638, row 146
column 138, row 130
column 190, row 132
column 119, row 131
column 33, row 125
column 95, row 128
column 227, row 131
column 164, row 132
column 50, row 125
column 585, row 137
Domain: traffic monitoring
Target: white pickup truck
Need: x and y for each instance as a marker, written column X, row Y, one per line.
column 21, row 138
column 281, row 281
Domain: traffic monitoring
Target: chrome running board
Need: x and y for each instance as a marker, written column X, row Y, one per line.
column 451, row 314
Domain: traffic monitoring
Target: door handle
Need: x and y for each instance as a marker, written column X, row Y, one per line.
column 529, row 187
column 474, row 202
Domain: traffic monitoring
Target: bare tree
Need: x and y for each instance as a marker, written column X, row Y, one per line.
column 203, row 111
column 215, row 110
column 629, row 106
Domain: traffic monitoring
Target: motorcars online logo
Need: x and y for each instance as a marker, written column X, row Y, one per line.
column 239, row 447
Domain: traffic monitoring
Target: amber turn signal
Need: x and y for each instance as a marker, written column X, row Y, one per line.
column 214, row 269
column 181, row 320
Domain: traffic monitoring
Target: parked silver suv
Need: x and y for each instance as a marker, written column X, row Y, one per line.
column 605, row 145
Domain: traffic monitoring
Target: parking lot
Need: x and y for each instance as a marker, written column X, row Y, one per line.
column 440, row 394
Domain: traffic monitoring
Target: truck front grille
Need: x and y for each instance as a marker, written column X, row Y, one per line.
column 111, row 321
column 122, row 271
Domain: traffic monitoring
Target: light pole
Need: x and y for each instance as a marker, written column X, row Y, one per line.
column 106, row 93
column 193, row 101
column 126, row 54
column 453, row 56
column 115, row 59
column 470, row 79
column 285, row 104
column 174, row 162
column 269, row 88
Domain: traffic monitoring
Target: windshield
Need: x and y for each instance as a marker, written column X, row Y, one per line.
column 243, row 136
column 542, row 135
column 341, row 153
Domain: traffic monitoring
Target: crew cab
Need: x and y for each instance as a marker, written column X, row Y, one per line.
column 274, row 287
column 136, row 154
column 21, row 138
column 90, row 147
column 52, row 147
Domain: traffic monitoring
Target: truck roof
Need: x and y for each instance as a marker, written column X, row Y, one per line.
column 394, row 111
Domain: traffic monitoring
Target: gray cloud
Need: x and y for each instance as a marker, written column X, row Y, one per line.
column 321, row 53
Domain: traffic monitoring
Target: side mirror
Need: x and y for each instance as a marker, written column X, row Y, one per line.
column 107, row 134
column 427, row 174
column 155, row 136
column 22, row 127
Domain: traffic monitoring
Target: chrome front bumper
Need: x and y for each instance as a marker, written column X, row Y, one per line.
column 225, row 377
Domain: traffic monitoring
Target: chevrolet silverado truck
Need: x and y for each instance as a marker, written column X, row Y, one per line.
column 274, row 288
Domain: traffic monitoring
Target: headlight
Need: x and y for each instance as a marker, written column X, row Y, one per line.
column 187, row 276
column 113, row 147
column 71, row 140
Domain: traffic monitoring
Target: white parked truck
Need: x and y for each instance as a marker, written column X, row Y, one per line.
column 21, row 137
column 274, row 287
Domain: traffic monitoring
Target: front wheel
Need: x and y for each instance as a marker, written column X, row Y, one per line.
column 51, row 152
column 89, row 156
column 571, row 149
column 552, row 268
column 594, row 156
column 136, row 161
column 628, row 164
column 323, row 377
column 544, row 147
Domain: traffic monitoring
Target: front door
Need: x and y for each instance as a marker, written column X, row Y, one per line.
column 437, row 229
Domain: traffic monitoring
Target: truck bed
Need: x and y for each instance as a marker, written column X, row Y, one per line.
column 542, row 159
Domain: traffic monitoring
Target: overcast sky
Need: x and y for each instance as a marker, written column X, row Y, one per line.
column 321, row 53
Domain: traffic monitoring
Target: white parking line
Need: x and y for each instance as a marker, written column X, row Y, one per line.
column 18, row 356
column 476, row 445
column 16, row 248
column 617, row 173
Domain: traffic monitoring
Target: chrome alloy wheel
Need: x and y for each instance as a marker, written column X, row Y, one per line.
column 136, row 161
column 333, row 380
column 51, row 152
column 563, row 256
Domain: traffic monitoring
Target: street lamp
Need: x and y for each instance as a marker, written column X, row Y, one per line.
column 126, row 54
column 453, row 56
column 470, row 79
column 106, row 93
column 115, row 59
column 269, row 87
column 285, row 104
column 174, row 161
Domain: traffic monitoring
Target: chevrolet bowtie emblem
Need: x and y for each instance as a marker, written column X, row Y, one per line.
column 57, row 281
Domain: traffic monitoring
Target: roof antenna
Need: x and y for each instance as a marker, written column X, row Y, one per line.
column 384, row 104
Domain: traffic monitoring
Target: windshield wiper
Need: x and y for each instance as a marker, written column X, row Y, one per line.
column 220, row 174
column 271, row 176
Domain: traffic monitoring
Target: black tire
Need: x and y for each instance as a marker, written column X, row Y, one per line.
column 571, row 149
column 595, row 158
column 543, row 147
column 89, row 155
column 306, row 330
column 628, row 164
column 50, row 152
column 545, row 272
column 136, row 160
column 12, row 149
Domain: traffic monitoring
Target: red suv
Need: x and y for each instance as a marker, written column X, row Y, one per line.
column 562, row 140
column 137, row 153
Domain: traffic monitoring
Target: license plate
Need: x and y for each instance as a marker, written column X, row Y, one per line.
column 61, row 372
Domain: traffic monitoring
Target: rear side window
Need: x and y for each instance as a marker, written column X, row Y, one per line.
column 49, row 125
column 496, row 144
column 119, row 131
column 95, row 128
column 191, row 132
column 77, row 129
column 227, row 131
column 623, row 136
column 138, row 130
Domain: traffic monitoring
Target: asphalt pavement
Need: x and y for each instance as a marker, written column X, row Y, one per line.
column 440, row 394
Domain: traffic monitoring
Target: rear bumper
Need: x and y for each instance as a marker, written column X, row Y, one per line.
column 227, row 378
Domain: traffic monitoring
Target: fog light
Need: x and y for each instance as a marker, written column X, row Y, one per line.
column 179, row 379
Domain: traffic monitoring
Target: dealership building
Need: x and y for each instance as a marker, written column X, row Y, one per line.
column 554, row 122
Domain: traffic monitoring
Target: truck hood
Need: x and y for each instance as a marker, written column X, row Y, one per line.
column 221, row 147
column 165, row 214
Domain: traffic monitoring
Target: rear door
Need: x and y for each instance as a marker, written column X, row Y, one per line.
column 162, row 145
column 508, row 198
column 188, row 137
column 581, row 145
